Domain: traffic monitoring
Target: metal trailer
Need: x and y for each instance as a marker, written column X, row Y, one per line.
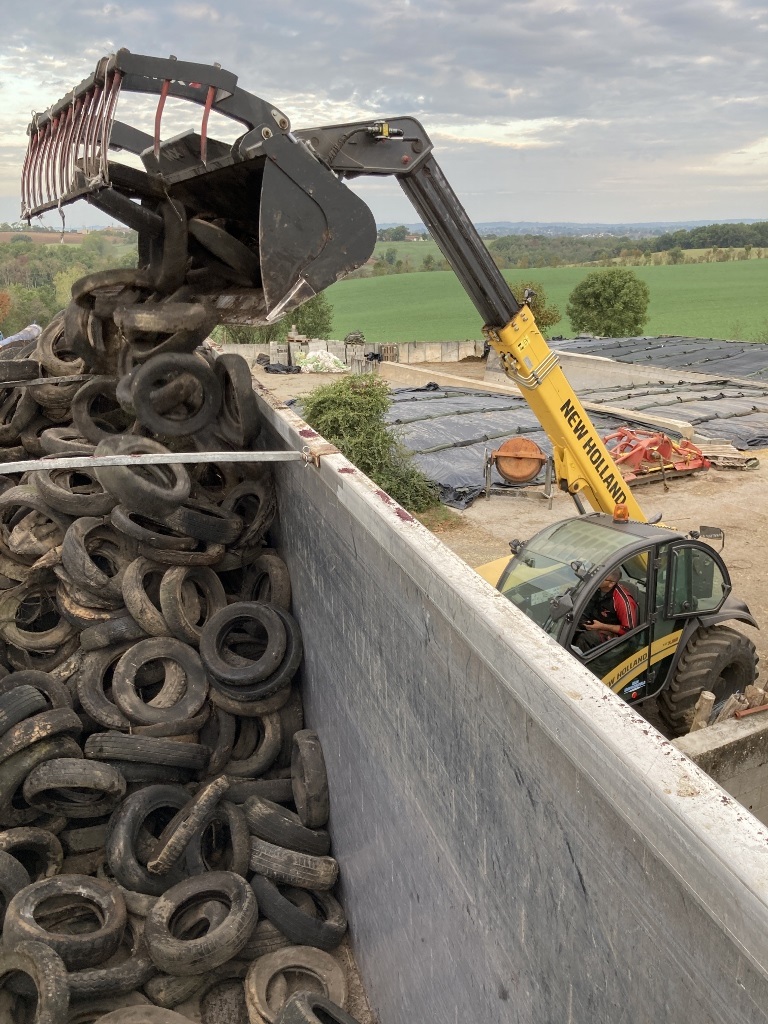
column 516, row 843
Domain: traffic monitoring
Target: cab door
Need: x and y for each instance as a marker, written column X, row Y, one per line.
column 691, row 580
column 622, row 662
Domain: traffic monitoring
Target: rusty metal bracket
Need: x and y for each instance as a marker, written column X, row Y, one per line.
column 312, row 454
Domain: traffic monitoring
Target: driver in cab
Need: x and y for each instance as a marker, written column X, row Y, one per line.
column 611, row 612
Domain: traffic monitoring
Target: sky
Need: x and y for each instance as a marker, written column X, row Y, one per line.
column 539, row 110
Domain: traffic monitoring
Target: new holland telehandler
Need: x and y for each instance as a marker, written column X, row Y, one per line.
column 252, row 227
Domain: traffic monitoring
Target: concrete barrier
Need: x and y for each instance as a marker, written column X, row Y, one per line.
column 516, row 844
column 735, row 754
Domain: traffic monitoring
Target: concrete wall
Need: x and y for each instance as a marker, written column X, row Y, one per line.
column 516, row 844
column 735, row 754
column 410, row 352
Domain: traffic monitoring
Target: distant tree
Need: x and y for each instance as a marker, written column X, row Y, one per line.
column 313, row 318
column 612, row 303
column 29, row 306
column 5, row 305
column 676, row 255
column 428, row 263
column 63, row 282
column 390, row 255
column 398, row 234
column 546, row 316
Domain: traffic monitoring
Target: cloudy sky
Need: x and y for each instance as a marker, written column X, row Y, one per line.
column 549, row 110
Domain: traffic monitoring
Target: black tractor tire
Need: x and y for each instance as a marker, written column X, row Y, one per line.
column 716, row 658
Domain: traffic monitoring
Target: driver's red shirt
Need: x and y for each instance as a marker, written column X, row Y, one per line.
column 618, row 608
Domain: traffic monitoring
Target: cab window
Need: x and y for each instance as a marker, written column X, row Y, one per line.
column 696, row 582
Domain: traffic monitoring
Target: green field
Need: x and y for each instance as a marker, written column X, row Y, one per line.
column 708, row 300
column 413, row 252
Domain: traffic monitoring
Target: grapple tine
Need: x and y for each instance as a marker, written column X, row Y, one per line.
column 273, row 225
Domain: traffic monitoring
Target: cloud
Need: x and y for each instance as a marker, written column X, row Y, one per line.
column 557, row 95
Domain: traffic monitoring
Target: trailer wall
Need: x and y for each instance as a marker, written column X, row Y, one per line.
column 515, row 843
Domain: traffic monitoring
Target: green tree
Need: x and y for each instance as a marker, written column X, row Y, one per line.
column 29, row 306
column 428, row 263
column 390, row 255
column 398, row 234
column 546, row 316
column 63, row 281
column 676, row 255
column 611, row 303
column 313, row 318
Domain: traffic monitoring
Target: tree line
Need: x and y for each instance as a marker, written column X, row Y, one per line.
column 724, row 242
column 36, row 280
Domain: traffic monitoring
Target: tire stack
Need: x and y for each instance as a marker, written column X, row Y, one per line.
column 162, row 808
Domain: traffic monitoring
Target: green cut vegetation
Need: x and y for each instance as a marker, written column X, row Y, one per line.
column 350, row 414
column 708, row 300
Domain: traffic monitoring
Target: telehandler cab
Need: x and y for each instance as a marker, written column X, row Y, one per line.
column 252, row 228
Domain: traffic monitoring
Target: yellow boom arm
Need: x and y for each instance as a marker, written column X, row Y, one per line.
column 582, row 462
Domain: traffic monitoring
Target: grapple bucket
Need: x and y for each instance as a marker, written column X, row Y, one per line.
column 253, row 228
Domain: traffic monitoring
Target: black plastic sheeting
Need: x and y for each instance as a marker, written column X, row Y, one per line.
column 722, row 409
column 449, row 431
column 700, row 355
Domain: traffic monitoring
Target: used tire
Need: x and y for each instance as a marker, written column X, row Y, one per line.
column 18, row 704
column 228, row 667
column 151, row 490
column 300, row 869
column 308, row 1008
column 36, row 849
column 309, row 779
column 264, row 753
column 176, row 608
column 278, row 825
column 217, row 946
column 302, row 928
column 318, row 965
column 137, row 598
column 74, row 787
column 46, row 725
column 146, row 750
column 126, row 692
column 123, row 833
column 86, row 949
column 48, row 974
column 180, row 831
column 267, row 579
column 160, row 367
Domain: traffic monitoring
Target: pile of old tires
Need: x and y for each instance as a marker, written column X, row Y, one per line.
column 162, row 808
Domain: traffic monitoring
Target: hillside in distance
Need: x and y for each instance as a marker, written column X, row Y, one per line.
column 647, row 229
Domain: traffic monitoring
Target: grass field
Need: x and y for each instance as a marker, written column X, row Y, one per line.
column 413, row 252
column 708, row 300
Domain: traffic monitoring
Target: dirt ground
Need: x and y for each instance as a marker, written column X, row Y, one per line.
column 732, row 499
